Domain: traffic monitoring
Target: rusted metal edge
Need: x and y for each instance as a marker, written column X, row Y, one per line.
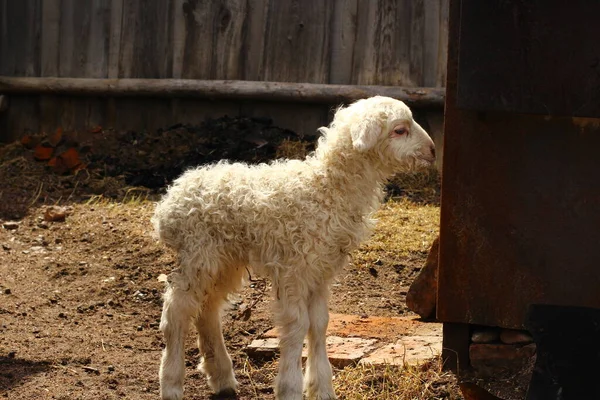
column 220, row 89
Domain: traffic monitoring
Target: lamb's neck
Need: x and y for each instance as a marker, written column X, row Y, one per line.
column 354, row 172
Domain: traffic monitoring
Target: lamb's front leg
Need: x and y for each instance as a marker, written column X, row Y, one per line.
column 318, row 381
column 291, row 316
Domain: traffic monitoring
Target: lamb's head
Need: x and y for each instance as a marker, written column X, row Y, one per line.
column 385, row 127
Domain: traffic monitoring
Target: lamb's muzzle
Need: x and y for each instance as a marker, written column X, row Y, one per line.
column 292, row 221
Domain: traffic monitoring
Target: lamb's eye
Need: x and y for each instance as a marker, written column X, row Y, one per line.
column 400, row 131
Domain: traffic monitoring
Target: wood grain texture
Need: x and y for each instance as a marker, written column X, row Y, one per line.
column 343, row 41
column 20, row 28
column 297, row 41
column 51, row 13
column 216, row 89
column 213, row 39
column 146, row 35
column 114, row 39
column 382, row 42
column 442, row 55
column 254, row 40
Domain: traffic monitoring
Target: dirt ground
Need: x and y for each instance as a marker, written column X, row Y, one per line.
column 80, row 299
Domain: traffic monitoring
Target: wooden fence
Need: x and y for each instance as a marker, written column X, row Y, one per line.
column 349, row 42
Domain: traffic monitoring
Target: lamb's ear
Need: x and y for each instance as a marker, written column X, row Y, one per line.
column 364, row 134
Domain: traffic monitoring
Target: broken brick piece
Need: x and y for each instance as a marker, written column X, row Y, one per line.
column 43, row 152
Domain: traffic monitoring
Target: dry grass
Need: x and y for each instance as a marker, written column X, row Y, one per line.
column 368, row 382
column 404, row 229
column 421, row 187
column 293, row 149
column 423, row 382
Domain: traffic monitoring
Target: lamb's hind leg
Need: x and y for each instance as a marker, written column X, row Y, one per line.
column 318, row 380
column 291, row 315
column 178, row 308
column 216, row 363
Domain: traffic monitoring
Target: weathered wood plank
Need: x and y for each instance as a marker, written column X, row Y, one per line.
column 431, row 42
column 443, row 43
column 146, row 35
column 67, row 38
column 22, row 117
column 297, row 41
column 20, row 43
column 199, row 41
column 364, row 61
column 196, row 111
column 114, row 40
column 84, row 38
column 254, row 40
column 390, row 43
column 179, row 33
column 415, row 18
column 228, row 44
column 50, row 37
column 96, row 65
column 214, row 39
column 343, row 38
column 142, row 114
column 216, row 89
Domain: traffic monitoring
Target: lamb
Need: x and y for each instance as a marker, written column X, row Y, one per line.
column 294, row 222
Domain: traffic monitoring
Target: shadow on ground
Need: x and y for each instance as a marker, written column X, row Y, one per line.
column 13, row 371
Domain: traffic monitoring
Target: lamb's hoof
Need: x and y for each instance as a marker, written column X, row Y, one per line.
column 288, row 395
column 225, row 394
column 322, row 395
column 171, row 393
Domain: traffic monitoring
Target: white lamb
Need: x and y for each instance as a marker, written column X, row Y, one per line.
column 293, row 221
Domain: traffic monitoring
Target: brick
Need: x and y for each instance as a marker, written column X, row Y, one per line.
column 410, row 350
column 347, row 351
column 383, row 328
column 341, row 351
column 263, row 348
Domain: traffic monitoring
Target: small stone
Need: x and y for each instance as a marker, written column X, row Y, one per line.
column 485, row 335
column 7, row 291
column 111, row 368
column 512, row 336
column 409, row 350
column 5, row 247
column 43, row 225
column 140, row 328
column 10, row 225
column 263, row 348
column 55, row 214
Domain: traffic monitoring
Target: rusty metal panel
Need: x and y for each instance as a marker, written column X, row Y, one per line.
column 520, row 218
column 530, row 56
